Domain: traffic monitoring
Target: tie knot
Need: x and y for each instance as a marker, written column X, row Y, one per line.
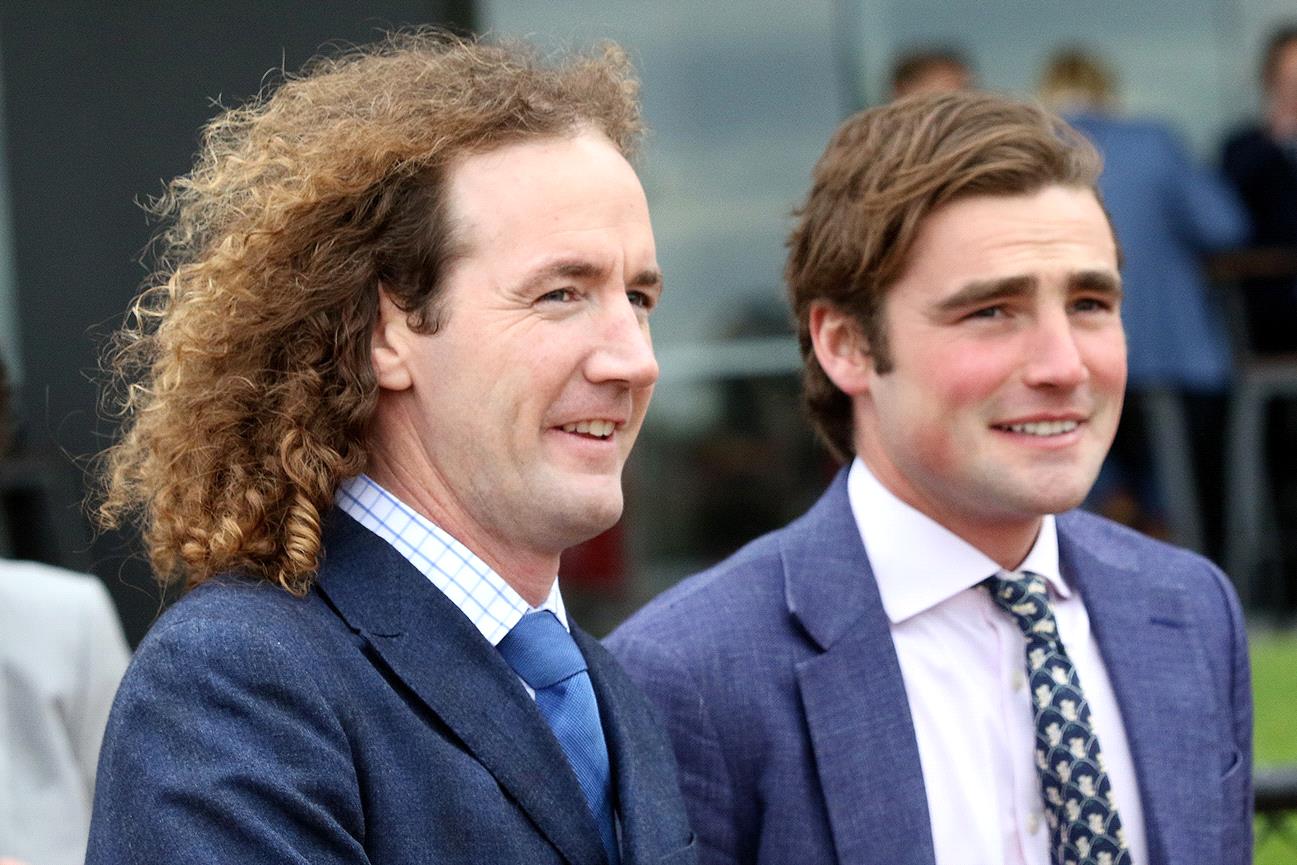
column 1025, row 597
column 541, row 651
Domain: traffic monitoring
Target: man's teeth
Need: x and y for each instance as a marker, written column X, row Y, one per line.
column 599, row 428
column 1043, row 428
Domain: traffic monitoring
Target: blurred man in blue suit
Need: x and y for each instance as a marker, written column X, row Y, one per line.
column 941, row 662
column 397, row 358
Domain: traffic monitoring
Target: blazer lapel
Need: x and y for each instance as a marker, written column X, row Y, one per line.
column 427, row 642
column 1162, row 683
column 857, row 713
column 648, row 793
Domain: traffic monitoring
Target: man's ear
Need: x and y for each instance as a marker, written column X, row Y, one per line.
column 389, row 346
column 841, row 348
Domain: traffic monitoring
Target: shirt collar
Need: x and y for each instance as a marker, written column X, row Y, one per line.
column 917, row 562
column 489, row 602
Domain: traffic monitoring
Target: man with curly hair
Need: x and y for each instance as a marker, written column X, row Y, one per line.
column 392, row 367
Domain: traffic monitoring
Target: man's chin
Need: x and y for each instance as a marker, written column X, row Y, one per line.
column 1030, row 499
column 579, row 515
column 1055, row 501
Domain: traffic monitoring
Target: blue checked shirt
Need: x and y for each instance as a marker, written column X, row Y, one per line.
column 481, row 594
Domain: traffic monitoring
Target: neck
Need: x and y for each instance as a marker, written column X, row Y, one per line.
column 529, row 573
column 1008, row 550
column 1005, row 539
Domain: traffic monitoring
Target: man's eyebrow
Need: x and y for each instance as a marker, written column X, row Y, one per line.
column 562, row 268
column 648, row 278
column 1097, row 281
column 582, row 269
column 989, row 291
column 984, row 291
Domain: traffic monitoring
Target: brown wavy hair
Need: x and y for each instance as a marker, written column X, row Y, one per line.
column 883, row 171
column 242, row 373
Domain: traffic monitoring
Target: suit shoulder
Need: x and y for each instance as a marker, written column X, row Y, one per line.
column 1101, row 534
column 743, row 598
column 236, row 598
column 1152, row 128
column 239, row 625
column 754, row 570
column 1114, row 542
column 235, row 700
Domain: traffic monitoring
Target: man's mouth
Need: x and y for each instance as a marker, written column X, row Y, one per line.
column 1040, row 428
column 596, row 428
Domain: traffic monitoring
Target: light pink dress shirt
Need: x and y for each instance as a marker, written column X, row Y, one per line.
column 963, row 664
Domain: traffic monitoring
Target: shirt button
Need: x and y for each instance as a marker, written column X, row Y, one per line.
column 1019, row 681
column 1033, row 824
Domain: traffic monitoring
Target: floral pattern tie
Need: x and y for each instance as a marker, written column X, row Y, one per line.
column 1079, row 806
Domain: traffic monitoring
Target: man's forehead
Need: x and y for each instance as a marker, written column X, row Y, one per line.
column 1030, row 216
column 504, row 185
column 557, row 206
column 527, row 160
column 994, row 237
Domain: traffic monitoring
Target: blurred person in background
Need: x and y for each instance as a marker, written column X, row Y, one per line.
column 62, row 655
column 943, row 662
column 1168, row 212
column 1260, row 161
column 930, row 70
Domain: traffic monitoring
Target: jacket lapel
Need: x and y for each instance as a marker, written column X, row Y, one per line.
column 648, row 795
column 857, row 713
column 427, row 642
column 1161, row 679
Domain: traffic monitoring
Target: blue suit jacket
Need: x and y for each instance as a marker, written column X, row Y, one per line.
column 783, row 694
column 368, row 722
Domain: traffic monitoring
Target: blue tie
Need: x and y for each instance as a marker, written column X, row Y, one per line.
column 1084, row 826
column 545, row 656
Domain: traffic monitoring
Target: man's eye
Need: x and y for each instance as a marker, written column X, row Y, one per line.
column 642, row 299
column 988, row 312
column 1092, row 304
column 558, row 295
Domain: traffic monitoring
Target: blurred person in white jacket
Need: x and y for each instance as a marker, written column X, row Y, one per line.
column 62, row 654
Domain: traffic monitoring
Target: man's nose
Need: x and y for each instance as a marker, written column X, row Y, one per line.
column 1055, row 359
column 625, row 348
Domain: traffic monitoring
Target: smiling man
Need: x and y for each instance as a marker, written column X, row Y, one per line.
column 942, row 663
column 394, row 367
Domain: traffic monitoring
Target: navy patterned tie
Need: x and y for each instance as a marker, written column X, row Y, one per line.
column 545, row 656
column 1082, row 813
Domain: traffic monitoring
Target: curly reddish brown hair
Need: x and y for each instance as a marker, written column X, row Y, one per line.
column 883, row 171
column 242, row 374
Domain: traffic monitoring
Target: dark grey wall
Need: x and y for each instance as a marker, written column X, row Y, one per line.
column 103, row 104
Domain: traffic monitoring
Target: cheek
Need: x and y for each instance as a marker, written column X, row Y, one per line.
column 640, row 399
column 927, row 418
column 960, row 378
column 1106, row 360
column 951, row 402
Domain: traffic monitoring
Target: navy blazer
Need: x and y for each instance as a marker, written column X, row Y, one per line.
column 367, row 722
column 783, row 694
